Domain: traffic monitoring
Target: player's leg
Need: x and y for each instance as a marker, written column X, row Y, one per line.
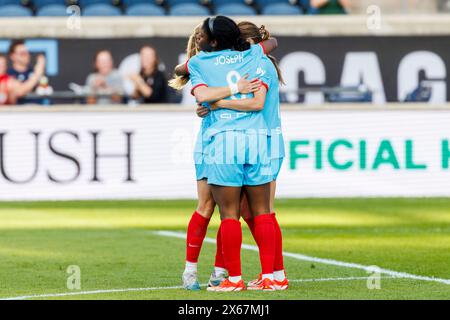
column 280, row 280
column 228, row 201
column 264, row 229
column 248, row 218
column 220, row 272
column 279, row 274
column 246, row 214
column 196, row 232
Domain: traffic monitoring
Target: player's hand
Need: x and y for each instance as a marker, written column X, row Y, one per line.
column 214, row 105
column 202, row 111
column 248, row 86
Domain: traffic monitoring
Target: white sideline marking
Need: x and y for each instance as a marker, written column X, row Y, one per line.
column 79, row 293
column 50, row 295
column 395, row 274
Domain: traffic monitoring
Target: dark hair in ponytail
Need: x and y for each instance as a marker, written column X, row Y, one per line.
column 242, row 45
column 226, row 33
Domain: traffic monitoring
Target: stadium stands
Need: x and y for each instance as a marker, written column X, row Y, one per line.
column 281, row 9
column 55, row 8
column 52, row 10
column 14, row 10
column 144, row 9
column 17, row 8
column 188, row 9
column 235, row 9
column 101, row 9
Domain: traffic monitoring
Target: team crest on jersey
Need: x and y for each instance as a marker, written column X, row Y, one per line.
column 260, row 71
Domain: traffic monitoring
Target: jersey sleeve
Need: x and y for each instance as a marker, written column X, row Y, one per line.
column 265, row 76
column 195, row 74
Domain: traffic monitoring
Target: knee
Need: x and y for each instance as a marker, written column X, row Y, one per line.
column 206, row 208
column 229, row 214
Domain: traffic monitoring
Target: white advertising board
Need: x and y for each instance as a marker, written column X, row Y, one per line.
column 148, row 155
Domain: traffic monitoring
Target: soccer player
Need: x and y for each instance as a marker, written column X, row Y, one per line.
column 229, row 130
column 200, row 219
column 270, row 74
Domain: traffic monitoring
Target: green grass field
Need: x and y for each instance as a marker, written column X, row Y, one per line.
column 115, row 245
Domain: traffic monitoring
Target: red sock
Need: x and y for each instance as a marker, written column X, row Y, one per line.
column 195, row 234
column 219, row 252
column 251, row 225
column 265, row 238
column 231, row 234
column 278, row 265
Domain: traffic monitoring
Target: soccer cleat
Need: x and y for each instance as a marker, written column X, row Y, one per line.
column 281, row 285
column 255, row 282
column 190, row 281
column 215, row 280
column 228, row 286
column 265, row 285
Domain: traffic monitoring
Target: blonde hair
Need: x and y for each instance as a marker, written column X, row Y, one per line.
column 178, row 82
column 250, row 31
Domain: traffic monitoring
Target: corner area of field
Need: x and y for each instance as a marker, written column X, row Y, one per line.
column 116, row 246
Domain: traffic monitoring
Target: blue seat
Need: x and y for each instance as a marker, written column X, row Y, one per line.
column 188, row 9
column 129, row 3
column 85, row 3
column 263, row 3
column 101, row 10
column 281, row 9
column 306, row 5
column 235, row 10
column 144, row 10
column 42, row 3
column 52, row 10
column 7, row 2
column 13, row 10
column 171, row 3
column 217, row 3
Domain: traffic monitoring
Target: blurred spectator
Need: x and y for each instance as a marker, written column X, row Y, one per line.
column 21, row 68
column 11, row 88
column 331, row 6
column 150, row 83
column 106, row 80
column 444, row 5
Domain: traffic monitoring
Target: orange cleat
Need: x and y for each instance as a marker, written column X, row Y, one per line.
column 255, row 282
column 281, row 285
column 228, row 286
column 265, row 285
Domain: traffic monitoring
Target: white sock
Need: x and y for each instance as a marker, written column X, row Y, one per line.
column 218, row 271
column 279, row 275
column 190, row 267
column 235, row 279
column 268, row 276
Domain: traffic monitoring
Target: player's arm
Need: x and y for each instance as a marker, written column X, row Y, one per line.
column 269, row 45
column 210, row 94
column 252, row 104
column 182, row 70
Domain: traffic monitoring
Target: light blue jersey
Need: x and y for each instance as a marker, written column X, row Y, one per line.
column 271, row 112
column 199, row 149
column 220, row 69
column 236, row 142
